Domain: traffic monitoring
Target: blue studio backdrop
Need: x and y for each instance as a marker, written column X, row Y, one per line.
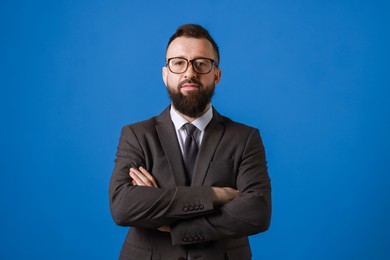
column 313, row 76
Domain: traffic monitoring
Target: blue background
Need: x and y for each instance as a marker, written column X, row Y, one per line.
column 313, row 76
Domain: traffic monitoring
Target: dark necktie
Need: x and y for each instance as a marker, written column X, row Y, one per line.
column 190, row 150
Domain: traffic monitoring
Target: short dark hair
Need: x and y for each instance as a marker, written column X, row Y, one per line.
column 194, row 31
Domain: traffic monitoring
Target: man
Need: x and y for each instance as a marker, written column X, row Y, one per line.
column 190, row 183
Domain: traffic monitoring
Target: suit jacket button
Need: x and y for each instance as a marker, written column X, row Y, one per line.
column 190, row 208
column 201, row 206
column 185, row 209
column 196, row 207
column 185, row 239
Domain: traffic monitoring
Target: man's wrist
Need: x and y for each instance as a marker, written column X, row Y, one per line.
column 223, row 195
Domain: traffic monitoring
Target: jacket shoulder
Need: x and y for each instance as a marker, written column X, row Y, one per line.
column 231, row 125
column 149, row 124
column 142, row 126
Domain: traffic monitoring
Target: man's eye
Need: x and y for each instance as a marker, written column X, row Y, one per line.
column 201, row 63
column 178, row 63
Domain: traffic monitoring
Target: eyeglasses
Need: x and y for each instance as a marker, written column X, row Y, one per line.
column 179, row 65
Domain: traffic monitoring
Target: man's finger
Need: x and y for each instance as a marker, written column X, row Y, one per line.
column 141, row 179
column 138, row 177
column 136, row 180
column 148, row 176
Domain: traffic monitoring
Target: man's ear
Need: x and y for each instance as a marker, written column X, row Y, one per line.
column 217, row 76
column 165, row 75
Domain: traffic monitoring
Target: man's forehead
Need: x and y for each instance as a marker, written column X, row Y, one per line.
column 183, row 46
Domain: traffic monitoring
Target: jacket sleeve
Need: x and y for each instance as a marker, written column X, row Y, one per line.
column 248, row 214
column 146, row 207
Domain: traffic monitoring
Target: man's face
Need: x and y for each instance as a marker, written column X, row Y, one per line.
column 191, row 92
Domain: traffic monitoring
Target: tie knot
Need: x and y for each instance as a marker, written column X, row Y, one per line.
column 190, row 128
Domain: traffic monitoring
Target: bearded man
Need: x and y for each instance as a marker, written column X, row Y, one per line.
column 191, row 183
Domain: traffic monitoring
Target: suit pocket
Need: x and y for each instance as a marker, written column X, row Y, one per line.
column 130, row 252
column 239, row 253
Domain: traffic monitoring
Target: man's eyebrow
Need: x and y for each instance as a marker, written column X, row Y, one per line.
column 182, row 56
column 196, row 57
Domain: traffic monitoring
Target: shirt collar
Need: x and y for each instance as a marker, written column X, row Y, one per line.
column 200, row 123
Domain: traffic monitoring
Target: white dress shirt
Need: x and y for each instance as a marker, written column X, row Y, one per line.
column 200, row 123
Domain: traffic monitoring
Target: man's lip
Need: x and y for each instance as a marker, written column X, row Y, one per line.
column 190, row 85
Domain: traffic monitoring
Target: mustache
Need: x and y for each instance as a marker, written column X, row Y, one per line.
column 190, row 81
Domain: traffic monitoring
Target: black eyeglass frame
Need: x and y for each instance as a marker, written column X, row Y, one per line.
column 192, row 63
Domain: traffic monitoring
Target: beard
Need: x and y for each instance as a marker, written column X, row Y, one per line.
column 195, row 102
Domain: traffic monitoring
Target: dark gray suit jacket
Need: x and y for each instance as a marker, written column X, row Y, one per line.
column 231, row 155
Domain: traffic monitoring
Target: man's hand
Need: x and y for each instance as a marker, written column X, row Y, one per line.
column 142, row 177
column 223, row 195
column 165, row 229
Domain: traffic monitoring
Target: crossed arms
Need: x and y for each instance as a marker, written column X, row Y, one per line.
column 214, row 213
column 221, row 195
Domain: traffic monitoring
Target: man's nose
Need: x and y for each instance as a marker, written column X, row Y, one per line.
column 190, row 72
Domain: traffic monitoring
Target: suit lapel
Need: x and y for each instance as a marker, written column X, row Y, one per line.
column 212, row 136
column 167, row 135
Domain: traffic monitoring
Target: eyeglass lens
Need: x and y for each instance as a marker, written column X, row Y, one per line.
column 200, row 65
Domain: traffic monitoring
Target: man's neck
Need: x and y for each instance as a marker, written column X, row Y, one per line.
column 191, row 119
